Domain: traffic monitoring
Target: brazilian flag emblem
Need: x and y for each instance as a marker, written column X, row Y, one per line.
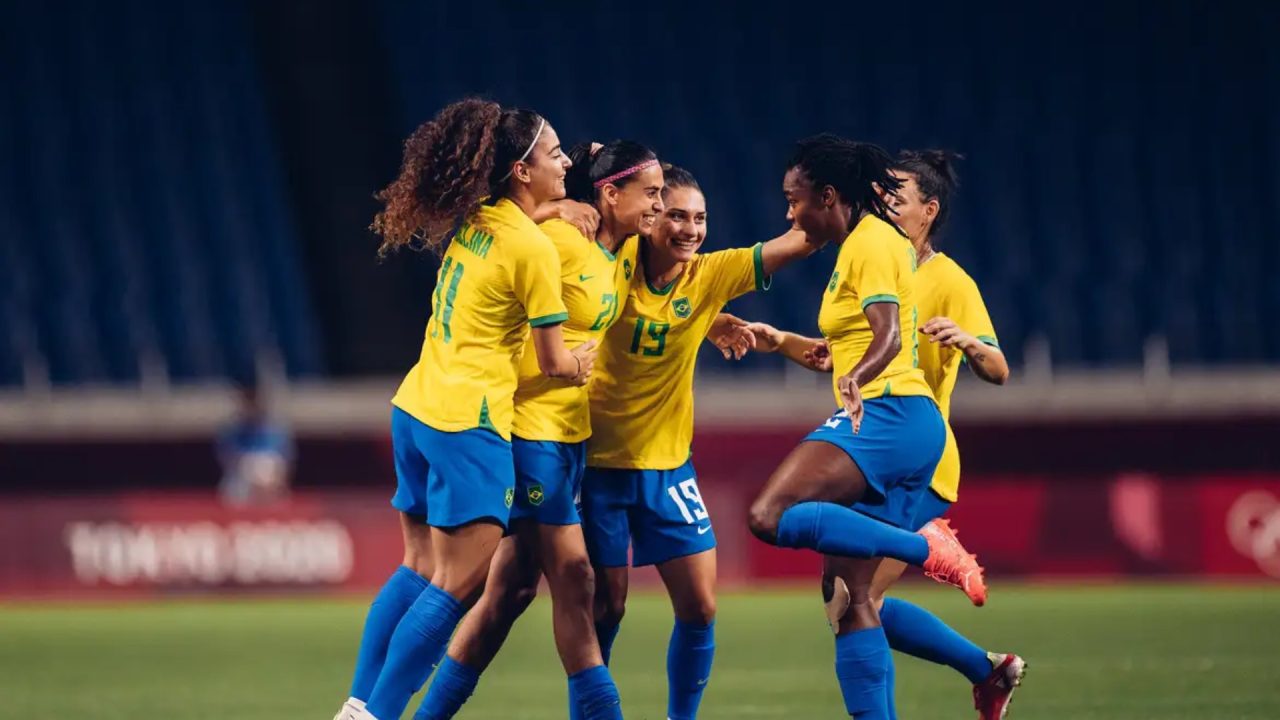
column 835, row 279
column 511, row 496
column 682, row 307
column 626, row 268
column 536, row 496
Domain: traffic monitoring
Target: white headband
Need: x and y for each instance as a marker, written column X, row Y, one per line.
column 542, row 122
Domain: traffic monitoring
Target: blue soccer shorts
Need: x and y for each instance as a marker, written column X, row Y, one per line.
column 451, row 478
column 659, row 514
column 897, row 449
column 548, row 479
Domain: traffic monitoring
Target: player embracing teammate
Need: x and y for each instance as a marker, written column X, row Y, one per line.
column 507, row 290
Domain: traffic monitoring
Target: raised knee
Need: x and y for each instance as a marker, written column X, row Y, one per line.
column 762, row 519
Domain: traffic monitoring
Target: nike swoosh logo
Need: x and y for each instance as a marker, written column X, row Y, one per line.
column 702, row 530
column 584, row 278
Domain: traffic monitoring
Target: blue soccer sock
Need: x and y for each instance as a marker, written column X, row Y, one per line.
column 890, row 681
column 397, row 594
column 416, row 646
column 594, row 694
column 606, row 633
column 913, row 630
column 836, row 530
column 689, row 655
column 862, row 661
column 453, row 684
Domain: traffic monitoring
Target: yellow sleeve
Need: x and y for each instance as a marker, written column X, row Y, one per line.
column 535, row 279
column 970, row 313
column 873, row 273
column 731, row 273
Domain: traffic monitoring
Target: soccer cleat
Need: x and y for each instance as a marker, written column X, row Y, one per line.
column 950, row 563
column 353, row 709
column 994, row 695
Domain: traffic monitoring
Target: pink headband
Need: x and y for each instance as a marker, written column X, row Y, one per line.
column 629, row 171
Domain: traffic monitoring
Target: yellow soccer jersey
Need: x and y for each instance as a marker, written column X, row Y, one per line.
column 875, row 264
column 945, row 289
column 594, row 285
column 499, row 275
column 642, row 389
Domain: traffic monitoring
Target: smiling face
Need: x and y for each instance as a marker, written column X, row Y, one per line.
column 638, row 202
column 817, row 211
column 682, row 227
column 544, row 170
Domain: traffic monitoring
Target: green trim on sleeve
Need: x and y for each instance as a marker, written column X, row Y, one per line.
column 763, row 282
column 879, row 299
column 988, row 340
column 546, row 320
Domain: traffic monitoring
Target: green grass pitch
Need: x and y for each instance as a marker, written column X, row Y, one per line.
column 1113, row 652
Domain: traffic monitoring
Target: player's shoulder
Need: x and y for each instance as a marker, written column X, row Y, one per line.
column 871, row 229
column 943, row 269
column 561, row 232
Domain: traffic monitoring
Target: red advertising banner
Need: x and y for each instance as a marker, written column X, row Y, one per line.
column 1209, row 526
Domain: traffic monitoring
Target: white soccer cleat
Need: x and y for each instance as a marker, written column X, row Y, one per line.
column 353, row 709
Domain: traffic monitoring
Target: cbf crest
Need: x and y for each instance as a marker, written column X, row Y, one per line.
column 536, row 494
column 682, row 307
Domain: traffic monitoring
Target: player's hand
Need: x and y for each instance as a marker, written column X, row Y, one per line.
column 732, row 336
column 945, row 332
column 580, row 215
column 818, row 357
column 851, row 397
column 768, row 337
column 586, row 356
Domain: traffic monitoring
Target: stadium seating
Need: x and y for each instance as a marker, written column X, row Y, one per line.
column 152, row 235
column 1106, row 202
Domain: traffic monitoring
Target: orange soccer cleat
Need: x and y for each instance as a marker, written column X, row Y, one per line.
column 993, row 696
column 950, row 563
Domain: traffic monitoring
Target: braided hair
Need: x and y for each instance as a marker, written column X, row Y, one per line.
column 859, row 172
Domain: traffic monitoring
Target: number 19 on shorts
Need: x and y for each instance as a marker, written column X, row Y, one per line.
column 686, row 497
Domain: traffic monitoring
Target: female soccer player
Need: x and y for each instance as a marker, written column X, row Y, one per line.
column 640, row 490
column 959, row 331
column 857, row 480
column 489, row 168
column 623, row 181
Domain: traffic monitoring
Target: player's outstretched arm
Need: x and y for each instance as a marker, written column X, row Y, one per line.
column 812, row 353
column 986, row 360
column 787, row 247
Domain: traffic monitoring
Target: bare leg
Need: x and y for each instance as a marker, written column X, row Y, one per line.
column 572, row 582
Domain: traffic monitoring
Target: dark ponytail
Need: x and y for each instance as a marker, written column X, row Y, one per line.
column 451, row 163
column 936, row 176
column 858, row 171
column 591, row 167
